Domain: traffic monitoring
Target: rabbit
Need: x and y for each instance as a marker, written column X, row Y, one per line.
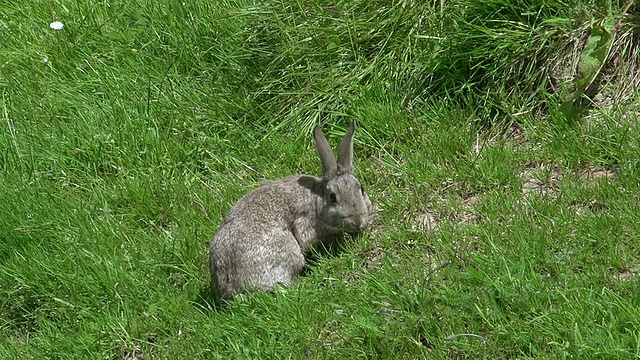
column 264, row 238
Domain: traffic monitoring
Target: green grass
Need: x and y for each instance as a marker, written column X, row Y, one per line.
column 505, row 229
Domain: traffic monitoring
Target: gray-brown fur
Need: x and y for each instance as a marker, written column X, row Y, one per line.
column 265, row 236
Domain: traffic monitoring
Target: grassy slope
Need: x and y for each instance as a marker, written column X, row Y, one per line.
column 121, row 153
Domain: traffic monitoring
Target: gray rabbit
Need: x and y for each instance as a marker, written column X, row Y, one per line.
column 265, row 236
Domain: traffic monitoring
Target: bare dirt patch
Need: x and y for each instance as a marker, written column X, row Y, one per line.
column 544, row 179
column 374, row 256
column 460, row 212
column 541, row 180
column 591, row 176
column 627, row 274
column 424, row 222
column 133, row 354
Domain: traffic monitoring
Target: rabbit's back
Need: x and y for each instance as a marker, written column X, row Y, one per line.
column 256, row 245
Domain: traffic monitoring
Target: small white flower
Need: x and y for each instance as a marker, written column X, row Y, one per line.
column 56, row 25
column 45, row 61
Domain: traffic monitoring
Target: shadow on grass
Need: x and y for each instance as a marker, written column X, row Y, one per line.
column 206, row 300
column 324, row 250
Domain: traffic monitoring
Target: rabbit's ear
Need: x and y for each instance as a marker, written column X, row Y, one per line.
column 329, row 166
column 345, row 151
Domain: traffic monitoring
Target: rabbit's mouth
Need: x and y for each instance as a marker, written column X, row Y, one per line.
column 355, row 224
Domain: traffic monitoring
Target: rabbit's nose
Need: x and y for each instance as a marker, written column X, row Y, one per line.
column 359, row 222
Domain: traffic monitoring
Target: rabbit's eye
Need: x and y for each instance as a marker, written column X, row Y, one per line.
column 333, row 198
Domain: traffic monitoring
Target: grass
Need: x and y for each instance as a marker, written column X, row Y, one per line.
column 505, row 229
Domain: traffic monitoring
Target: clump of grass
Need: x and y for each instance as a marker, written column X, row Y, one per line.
column 314, row 61
column 519, row 57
